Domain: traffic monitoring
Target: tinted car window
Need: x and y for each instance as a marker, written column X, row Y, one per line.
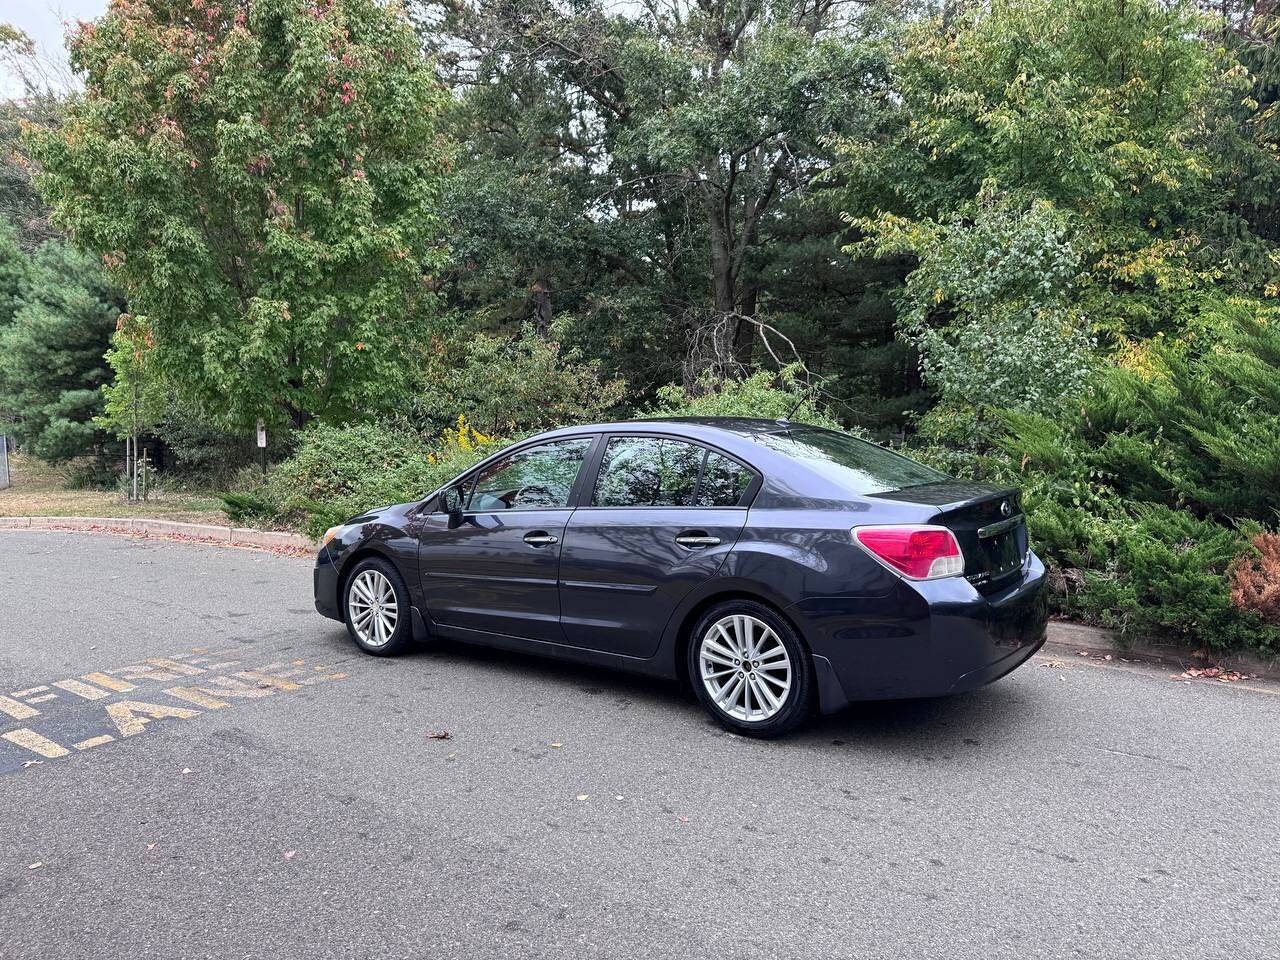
column 724, row 481
column 539, row 477
column 661, row 472
column 856, row 465
column 647, row 472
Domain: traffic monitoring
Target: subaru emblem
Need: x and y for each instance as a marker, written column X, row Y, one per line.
column 1005, row 509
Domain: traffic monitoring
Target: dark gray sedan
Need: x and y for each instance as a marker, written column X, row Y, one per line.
column 776, row 568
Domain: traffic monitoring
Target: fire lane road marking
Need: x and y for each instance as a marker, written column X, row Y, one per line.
column 19, row 711
column 81, row 689
column 111, row 683
column 35, row 743
column 117, row 704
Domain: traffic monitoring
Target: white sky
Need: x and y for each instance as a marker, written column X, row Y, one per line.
column 43, row 21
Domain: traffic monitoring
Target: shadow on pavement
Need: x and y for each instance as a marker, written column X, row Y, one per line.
column 964, row 720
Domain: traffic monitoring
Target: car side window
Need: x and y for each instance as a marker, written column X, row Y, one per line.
column 539, row 477
column 724, row 481
column 648, row 472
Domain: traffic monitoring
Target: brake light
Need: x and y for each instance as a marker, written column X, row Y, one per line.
column 918, row 552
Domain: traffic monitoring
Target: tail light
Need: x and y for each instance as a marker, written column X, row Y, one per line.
column 916, row 552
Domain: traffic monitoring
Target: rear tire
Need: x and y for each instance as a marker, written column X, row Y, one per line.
column 750, row 670
column 375, row 606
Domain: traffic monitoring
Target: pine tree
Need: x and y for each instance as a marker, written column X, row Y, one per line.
column 51, row 353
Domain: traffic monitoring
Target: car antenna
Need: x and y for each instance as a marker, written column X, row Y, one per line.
column 799, row 403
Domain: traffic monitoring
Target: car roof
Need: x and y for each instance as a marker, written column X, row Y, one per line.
column 737, row 426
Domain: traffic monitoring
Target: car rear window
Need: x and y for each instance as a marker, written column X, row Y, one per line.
column 857, row 465
column 664, row 472
column 647, row 472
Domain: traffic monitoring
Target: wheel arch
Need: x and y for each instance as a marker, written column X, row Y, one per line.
column 349, row 564
column 684, row 630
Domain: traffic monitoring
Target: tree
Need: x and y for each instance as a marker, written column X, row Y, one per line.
column 680, row 137
column 992, row 304
column 1241, row 230
column 51, row 353
column 261, row 178
column 42, row 83
column 14, row 268
column 135, row 397
column 1093, row 106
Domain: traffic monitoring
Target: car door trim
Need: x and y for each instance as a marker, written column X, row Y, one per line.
column 487, row 578
column 599, row 585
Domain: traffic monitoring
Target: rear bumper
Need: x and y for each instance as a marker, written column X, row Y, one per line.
column 325, row 583
column 923, row 639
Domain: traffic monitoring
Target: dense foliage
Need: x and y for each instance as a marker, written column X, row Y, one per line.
column 338, row 472
column 1034, row 242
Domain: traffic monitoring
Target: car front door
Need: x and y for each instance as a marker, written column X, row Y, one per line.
column 497, row 571
column 662, row 515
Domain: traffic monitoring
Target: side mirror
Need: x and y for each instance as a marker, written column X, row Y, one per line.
column 451, row 502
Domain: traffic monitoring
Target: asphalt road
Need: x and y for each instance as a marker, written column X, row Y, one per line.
column 301, row 810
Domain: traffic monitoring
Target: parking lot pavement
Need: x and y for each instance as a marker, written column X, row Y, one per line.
column 195, row 764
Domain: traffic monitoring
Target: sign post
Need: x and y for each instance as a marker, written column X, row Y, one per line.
column 262, row 445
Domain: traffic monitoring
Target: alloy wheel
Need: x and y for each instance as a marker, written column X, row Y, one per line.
column 372, row 606
column 745, row 667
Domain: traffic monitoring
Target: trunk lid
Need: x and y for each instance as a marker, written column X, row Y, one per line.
column 987, row 521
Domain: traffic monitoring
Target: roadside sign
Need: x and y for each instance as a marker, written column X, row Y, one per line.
column 4, row 461
column 262, row 434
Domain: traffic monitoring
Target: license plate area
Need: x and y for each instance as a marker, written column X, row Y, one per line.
column 1001, row 552
column 1006, row 551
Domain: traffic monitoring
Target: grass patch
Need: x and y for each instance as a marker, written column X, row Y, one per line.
column 40, row 490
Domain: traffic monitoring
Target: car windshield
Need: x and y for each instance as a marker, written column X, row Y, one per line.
column 857, row 465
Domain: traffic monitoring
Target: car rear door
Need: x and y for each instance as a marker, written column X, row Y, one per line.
column 658, row 519
column 497, row 571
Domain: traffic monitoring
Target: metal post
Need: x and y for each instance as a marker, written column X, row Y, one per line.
column 262, row 445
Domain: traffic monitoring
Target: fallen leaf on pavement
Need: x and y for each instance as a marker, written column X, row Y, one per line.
column 186, row 770
column 288, row 854
column 1083, row 653
column 439, row 735
column 1214, row 673
column 583, row 796
column 1053, row 663
column 35, row 866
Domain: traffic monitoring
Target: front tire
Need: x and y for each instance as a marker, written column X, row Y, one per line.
column 375, row 606
column 750, row 670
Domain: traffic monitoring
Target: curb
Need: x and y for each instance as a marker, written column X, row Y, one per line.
column 1074, row 638
column 169, row 529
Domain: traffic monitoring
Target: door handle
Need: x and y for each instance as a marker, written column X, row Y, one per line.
column 538, row 538
column 696, row 538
